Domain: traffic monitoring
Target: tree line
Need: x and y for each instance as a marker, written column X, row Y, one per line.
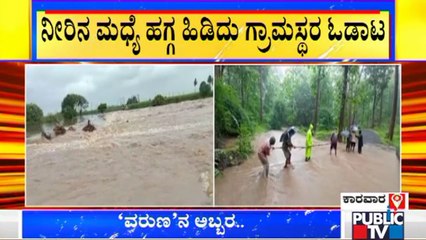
column 74, row 105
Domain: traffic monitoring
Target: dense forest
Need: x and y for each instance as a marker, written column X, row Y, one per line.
column 253, row 98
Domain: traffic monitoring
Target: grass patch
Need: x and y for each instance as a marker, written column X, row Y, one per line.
column 383, row 134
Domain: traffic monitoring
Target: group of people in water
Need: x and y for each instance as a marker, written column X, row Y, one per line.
column 60, row 130
column 354, row 136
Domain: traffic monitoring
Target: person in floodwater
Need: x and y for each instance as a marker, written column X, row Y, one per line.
column 348, row 143
column 360, row 142
column 89, row 127
column 287, row 145
column 309, row 143
column 333, row 141
column 263, row 153
column 353, row 140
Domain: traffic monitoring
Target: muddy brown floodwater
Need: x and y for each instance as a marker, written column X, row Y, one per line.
column 152, row 156
column 318, row 182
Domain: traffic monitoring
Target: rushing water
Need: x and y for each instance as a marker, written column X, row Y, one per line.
column 151, row 156
column 96, row 119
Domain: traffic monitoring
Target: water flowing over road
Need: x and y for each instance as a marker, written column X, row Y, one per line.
column 317, row 182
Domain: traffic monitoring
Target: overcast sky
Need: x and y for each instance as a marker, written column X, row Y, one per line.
column 47, row 85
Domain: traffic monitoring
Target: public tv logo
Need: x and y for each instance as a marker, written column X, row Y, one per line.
column 381, row 225
column 378, row 225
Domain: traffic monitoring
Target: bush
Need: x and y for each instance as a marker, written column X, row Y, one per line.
column 102, row 107
column 205, row 89
column 132, row 100
column 159, row 100
column 226, row 158
column 53, row 118
column 244, row 140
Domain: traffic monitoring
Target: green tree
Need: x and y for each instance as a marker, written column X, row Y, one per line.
column 102, row 107
column 343, row 99
column 395, row 103
column 319, row 74
column 69, row 113
column 279, row 116
column 205, row 89
column 34, row 114
column 72, row 104
column 378, row 77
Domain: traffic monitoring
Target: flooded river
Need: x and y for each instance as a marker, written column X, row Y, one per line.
column 152, row 156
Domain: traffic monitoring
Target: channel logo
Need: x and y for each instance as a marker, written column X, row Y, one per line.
column 381, row 225
column 378, row 225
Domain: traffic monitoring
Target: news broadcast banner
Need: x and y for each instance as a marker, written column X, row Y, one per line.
column 212, row 119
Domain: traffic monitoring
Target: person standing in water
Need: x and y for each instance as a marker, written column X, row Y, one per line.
column 360, row 142
column 287, row 145
column 333, row 141
column 308, row 152
column 263, row 153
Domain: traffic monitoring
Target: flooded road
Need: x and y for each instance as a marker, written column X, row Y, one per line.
column 152, row 156
column 317, row 182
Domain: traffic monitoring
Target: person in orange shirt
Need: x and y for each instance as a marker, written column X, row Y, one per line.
column 263, row 153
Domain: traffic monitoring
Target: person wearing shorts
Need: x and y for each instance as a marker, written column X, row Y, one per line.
column 263, row 153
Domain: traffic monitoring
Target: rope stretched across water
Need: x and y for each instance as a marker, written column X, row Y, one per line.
column 315, row 145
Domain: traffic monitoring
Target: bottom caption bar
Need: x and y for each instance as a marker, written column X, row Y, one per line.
column 181, row 224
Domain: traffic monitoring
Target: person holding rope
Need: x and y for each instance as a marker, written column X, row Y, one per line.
column 287, row 145
column 360, row 141
column 263, row 153
column 309, row 143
